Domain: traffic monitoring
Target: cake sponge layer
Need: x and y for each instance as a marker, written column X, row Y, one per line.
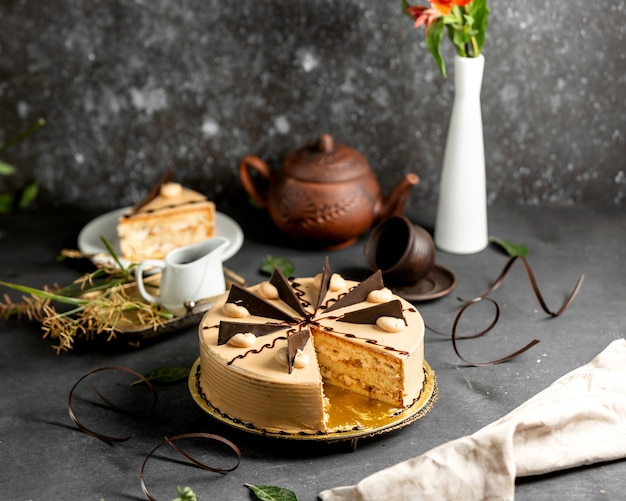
column 154, row 235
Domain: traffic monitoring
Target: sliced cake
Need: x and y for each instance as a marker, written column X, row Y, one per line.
column 267, row 352
column 170, row 217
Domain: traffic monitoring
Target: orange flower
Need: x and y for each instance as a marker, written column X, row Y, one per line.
column 465, row 21
column 445, row 6
column 422, row 15
column 438, row 8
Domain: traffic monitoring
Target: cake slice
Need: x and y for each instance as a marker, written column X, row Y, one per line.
column 171, row 216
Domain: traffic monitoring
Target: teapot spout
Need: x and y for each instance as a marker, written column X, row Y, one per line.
column 394, row 204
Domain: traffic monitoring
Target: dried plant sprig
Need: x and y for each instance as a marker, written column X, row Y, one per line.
column 96, row 303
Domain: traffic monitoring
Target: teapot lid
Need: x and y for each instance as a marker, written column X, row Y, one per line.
column 325, row 162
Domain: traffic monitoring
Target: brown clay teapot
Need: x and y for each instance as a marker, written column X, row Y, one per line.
column 325, row 195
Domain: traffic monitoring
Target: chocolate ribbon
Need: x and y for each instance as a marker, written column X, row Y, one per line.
column 484, row 297
column 171, row 441
column 100, row 436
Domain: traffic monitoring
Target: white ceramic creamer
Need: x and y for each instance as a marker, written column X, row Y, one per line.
column 188, row 273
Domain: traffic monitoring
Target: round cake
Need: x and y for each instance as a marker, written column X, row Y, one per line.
column 267, row 352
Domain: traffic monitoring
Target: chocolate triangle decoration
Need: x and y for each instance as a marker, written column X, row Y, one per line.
column 360, row 292
column 296, row 341
column 325, row 283
column 285, row 292
column 371, row 314
column 154, row 192
column 229, row 329
column 256, row 305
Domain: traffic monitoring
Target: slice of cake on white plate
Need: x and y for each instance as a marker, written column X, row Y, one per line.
column 171, row 216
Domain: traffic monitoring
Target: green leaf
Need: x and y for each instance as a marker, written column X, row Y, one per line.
column 165, row 375
column 513, row 250
column 271, row 262
column 405, row 6
column 271, row 493
column 185, row 494
column 434, row 36
column 6, row 169
column 39, row 123
column 6, row 202
column 459, row 39
column 45, row 294
column 29, row 193
column 125, row 269
column 479, row 10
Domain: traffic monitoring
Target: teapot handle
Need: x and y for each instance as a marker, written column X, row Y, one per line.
column 252, row 162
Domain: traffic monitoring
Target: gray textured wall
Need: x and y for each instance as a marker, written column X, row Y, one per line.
column 132, row 88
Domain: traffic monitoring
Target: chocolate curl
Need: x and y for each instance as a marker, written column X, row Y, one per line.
column 484, row 297
column 535, row 287
column 100, row 436
column 171, row 441
column 493, row 323
column 533, row 282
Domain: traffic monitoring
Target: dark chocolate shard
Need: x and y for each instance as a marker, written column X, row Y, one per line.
column 229, row 329
column 256, row 305
column 154, row 192
column 285, row 292
column 371, row 314
column 325, row 283
column 296, row 341
column 360, row 292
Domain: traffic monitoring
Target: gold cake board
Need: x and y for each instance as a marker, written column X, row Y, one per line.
column 378, row 420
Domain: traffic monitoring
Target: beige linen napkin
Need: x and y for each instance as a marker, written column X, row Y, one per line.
column 580, row 419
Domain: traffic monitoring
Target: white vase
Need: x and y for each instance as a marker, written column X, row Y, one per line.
column 461, row 220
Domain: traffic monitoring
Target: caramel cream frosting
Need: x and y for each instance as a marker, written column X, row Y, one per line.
column 301, row 334
column 170, row 196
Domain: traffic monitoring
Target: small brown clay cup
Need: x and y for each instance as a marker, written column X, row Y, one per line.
column 404, row 252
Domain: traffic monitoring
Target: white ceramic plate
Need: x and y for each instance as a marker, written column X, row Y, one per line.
column 89, row 241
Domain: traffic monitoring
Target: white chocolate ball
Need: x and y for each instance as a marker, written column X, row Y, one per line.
column 337, row 282
column 380, row 296
column 390, row 324
column 300, row 361
column 242, row 340
column 268, row 291
column 235, row 311
column 171, row 190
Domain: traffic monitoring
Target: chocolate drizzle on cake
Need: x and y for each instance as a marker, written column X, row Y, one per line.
column 259, row 350
column 256, row 305
column 298, row 335
column 133, row 211
column 285, row 291
column 371, row 314
column 374, row 342
column 299, row 292
column 230, row 329
column 360, row 292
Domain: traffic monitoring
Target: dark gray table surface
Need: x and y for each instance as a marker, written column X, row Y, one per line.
column 44, row 457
